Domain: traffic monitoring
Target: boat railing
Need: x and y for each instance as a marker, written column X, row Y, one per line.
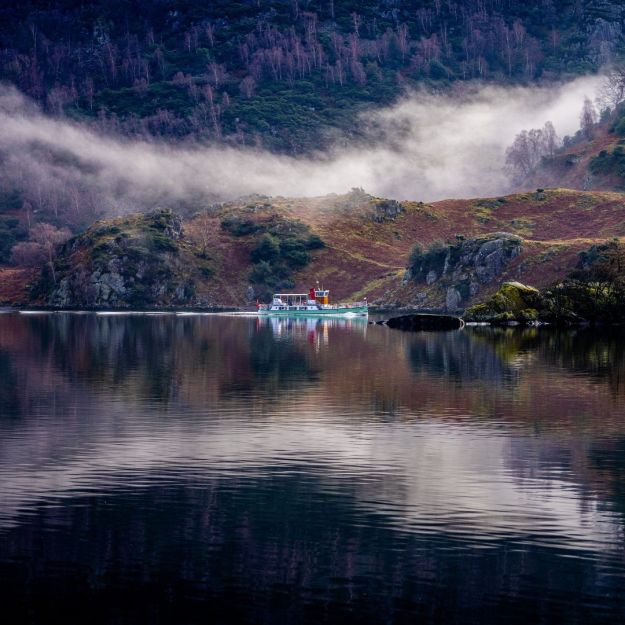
column 339, row 306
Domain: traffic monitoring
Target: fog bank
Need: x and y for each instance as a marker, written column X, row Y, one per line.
column 426, row 147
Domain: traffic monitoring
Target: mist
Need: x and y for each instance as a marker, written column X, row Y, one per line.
column 426, row 147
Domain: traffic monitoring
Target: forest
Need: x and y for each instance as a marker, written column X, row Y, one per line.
column 279, row 73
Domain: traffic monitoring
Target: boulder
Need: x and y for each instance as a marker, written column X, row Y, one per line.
column 513, row 302
column 425, row 323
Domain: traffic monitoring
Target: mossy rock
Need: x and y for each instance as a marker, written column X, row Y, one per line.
column 512, row 302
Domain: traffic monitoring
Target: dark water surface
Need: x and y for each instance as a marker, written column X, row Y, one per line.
column 205, row 469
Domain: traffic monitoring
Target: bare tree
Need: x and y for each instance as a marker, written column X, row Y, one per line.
column 28, row 254
column 89, row 91
column 216, row 74
column 204, row 230
column 403, row 40
column 551, row 141
column 247, row 86
column 529, row 148
column 612, row 89
column 209, row 29
column 356, row 21
column 519, row 156
column 588, row 118
column 48, row 237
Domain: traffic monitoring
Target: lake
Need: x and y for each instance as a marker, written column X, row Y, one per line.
column 220, row 469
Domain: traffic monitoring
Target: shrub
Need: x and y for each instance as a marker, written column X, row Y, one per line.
column 28, row 254
column 315, row 242
column 239, row 227
column 267, row 249
column 293, row 252
column 433, row 259
column 261, row 273
column 619, row 127
column 163, row 243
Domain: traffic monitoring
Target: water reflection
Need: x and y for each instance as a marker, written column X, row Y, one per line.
column 312, row 469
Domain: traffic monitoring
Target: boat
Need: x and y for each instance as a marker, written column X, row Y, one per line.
column 314, row 303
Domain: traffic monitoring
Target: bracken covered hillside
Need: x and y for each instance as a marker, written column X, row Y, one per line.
column 356, row 245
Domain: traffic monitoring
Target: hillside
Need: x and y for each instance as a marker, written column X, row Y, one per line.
column 356, row 245
column 591, row 160
column 279, row 72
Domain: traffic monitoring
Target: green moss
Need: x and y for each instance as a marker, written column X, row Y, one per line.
column 163, row 243
column 512, row 302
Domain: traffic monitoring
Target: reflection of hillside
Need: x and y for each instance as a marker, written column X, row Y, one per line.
column 597, row 354
column 222, row 452
column 457, row 355
column 592, row 353
column 527, row 376
column 233, row 547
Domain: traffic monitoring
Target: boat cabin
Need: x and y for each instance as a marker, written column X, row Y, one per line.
column 316, row 301
column 321, row 296
column 292, row 301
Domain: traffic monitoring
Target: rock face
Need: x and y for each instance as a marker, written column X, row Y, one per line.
column 386, row 210
column 138, row 261
column 459, row 271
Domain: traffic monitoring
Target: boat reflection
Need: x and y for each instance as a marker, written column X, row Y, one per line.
column 315, row 330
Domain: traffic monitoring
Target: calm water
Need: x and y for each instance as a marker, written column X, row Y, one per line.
column 204, row 469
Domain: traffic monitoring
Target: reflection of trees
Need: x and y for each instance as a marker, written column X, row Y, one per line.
column 145, row 353
column 459, row 356
column 156, row 358
column 607, row 463
column 233, row 547
column 279, row 364
column 492, row 354
column 199, row 361
column 593, row 353
column 598, row 354
column 9, row 398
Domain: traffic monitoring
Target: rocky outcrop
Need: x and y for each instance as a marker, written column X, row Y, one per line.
column 386, row 210
column 374, row 208
column 137, row 261
column 569, row 302
column 513, row 302
column 457, row 273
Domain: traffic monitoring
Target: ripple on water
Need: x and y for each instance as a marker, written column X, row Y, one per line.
column 346, row 465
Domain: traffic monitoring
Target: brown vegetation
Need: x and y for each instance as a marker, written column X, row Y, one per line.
column 367, row 240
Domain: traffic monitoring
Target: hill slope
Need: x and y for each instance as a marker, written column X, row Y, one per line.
column 278, row 71
column 592, row 160
column 355, row 244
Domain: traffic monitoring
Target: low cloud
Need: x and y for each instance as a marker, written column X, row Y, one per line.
column 426, row 147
